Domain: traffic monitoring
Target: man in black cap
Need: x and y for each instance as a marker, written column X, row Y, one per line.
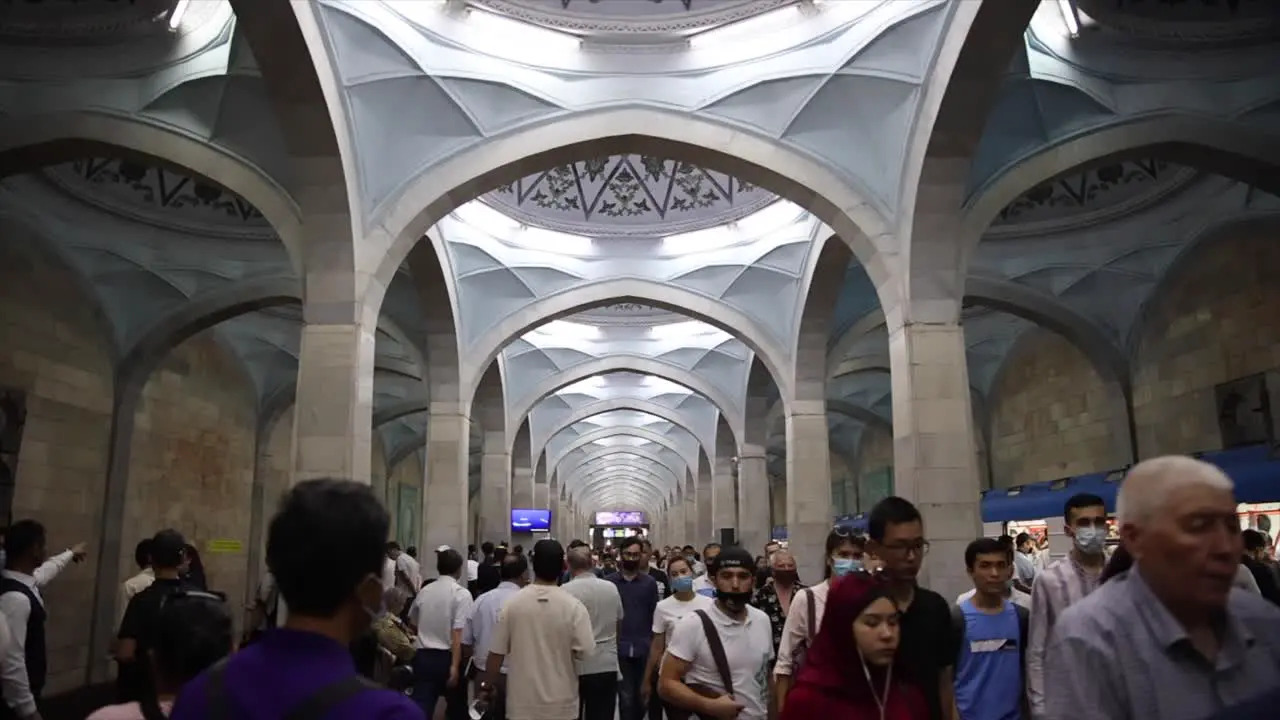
column 138, row 628
column 742, row 631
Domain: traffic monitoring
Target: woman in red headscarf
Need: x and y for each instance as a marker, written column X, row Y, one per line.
column 850, row 672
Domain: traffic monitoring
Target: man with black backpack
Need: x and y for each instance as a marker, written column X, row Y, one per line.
column 991, row 633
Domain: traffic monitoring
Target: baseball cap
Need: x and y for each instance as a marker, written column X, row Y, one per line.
column 731, row 556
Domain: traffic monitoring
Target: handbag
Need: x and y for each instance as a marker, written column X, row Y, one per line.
column 722, row 667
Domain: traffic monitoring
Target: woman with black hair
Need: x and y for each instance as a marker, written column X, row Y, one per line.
column 193, row 632
column 193, row 575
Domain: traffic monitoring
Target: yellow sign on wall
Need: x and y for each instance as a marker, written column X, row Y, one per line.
column 225, row 546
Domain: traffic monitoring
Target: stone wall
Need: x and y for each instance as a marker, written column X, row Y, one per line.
column 875, row 456
column 191, row 466
column 1053, row 416
column 1218, row 319
column 408, row 473
column 53, row 349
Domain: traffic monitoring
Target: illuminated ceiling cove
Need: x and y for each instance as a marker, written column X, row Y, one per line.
column 628, row 17
column 628, row 195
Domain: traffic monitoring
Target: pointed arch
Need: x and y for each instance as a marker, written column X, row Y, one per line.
column 609, row 432
column 612, row 456
column 604, row 406
column 629, row 363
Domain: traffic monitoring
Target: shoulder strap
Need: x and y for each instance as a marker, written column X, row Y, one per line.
column 717, row 651
column 957, row 629
column 811, row 606
column 321, row 703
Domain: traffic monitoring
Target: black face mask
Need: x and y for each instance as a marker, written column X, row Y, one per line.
column 734, row 602
column 630, row 565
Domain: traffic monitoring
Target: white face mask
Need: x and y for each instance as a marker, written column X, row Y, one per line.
column 1090, row 540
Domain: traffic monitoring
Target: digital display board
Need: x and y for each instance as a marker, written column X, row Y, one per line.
column 625, row 517
column 530, row 520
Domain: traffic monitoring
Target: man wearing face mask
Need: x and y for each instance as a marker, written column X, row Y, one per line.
column 1064, row 583
column 703, row 584
column 639, row 594
column 325, row 548
column 690, row 678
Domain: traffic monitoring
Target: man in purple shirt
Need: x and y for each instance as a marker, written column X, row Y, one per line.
column 635, row 632
column 325, row 551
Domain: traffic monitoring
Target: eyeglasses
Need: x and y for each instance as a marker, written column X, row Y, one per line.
column 919, row 548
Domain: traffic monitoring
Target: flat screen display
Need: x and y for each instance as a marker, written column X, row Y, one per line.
column 530, row 520
column 625, row 517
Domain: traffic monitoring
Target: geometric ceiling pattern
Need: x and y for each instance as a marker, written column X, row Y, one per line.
column 627, row 399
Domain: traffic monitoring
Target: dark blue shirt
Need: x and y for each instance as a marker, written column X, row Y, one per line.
column 639, row 598
column 270, row 678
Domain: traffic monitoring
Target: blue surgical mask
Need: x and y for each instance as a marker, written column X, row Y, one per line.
column 1091, row 540
column 843, row 566
column 684, row 583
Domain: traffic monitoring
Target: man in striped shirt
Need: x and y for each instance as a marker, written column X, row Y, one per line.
column 1063, row 584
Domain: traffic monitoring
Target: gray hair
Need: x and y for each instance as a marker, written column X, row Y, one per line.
column 780, row 555
column 580, row 559
column 395, row 598
column 1149, row 484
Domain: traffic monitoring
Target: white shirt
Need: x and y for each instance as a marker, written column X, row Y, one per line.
column 410, row 569
column 484, row 620
column 702, row 586
column 604, row 606
column 388, row 573
column 1016, row 596
column 473, row 571
column 796, row 632
column 748, row 647
column 16, row 609
column 440, row 608
column 670, row 611
column 543, row 630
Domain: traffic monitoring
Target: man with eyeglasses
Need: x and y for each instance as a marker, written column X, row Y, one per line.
column 895, row 532
column 1063, row 584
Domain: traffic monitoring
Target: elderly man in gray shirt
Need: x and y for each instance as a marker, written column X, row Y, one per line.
column 1169, row 639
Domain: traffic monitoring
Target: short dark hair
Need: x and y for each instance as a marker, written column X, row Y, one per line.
column 193, row 631
column 411, row 551
column 326, row 536
column 448, row 562
column 644, row 543
column 1253, row 540
column 470, row 548
column 486, row 547
column 499, row 553
column 167, row 549
column 22, row 538
column 1022, row 537
column 631, row 541
column 576, row 543
column 513, row 567
column 518, row 549
column 548, row 560
column 142, row 552
column 892, row 510
column 393, row 545
column 1079, row 501
column 709, row 546
column 983, row 546
column 688, row 547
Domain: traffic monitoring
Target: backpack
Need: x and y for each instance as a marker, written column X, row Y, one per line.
column 1024, row 622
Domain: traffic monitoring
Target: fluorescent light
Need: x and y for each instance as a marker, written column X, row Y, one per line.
column 175, row 16
column 1068, row 8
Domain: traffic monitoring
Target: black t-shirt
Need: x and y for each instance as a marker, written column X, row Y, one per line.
column 139, row 625
column 488, row 576
column 928, row 645
column 664, row 583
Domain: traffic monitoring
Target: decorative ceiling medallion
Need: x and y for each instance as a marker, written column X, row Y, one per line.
column 630, row 17
column 1078, row 194
column 159, row 195
column 629, row 195
column 82, row 20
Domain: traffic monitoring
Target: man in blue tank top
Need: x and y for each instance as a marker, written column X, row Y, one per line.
column 992, row 636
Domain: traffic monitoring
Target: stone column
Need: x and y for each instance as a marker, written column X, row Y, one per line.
column 809, row 513
column 521, row 497
column 690, row 518
column 542, row 496
column 934, row 457
column 724, row 504
column 445, row 511
column 333, row 424
column 706, row 506
column 495, row 489
column 753, row 499
column 675, row 521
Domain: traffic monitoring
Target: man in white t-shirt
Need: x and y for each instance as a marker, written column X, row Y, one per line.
column 746, row 636
column 544, row 630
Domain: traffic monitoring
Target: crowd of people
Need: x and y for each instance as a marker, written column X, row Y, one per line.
column 345, row 626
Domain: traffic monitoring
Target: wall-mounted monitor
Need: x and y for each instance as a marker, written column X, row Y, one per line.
column 625, row 517
column 530, row 520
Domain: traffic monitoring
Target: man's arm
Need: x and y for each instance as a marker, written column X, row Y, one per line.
column 127, row 638
column 461, row 613
column 1037, row 642
column 50, row 568
column 14, row 681
column 1091, row 684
